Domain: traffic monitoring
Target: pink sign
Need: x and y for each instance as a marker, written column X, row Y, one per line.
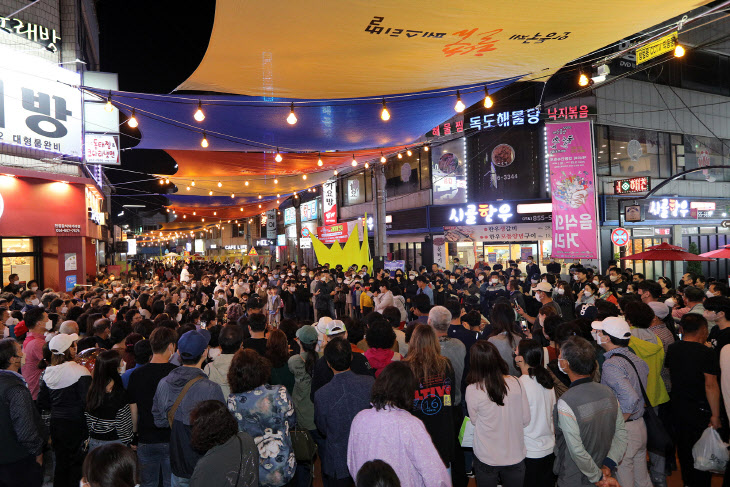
column 572, row 184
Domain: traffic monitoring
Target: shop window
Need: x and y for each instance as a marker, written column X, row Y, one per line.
column 636, row 152
column 17, row 245
column 603, row 158
column 238, row 231
column 23, row 266
column 353, row 189
column 401, row 175
column 425, row 163
column 705, row 151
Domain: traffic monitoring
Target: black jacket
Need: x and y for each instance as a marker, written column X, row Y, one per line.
column 63, row 391
column 22, row 432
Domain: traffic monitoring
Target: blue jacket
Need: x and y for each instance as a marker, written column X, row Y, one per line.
column 182, row 456
column 335, row 406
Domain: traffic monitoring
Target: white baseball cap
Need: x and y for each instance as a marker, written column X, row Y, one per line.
column 62, row 342
column 615, row 326
column 544, row 287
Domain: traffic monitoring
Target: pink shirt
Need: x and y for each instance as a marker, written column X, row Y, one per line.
column 399, row 439
column 33, row 350
column 499, row 437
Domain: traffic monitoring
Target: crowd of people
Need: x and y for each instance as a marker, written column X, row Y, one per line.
column 210, row 374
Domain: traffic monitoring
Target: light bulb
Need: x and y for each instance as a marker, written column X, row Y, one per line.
column 233, row 195
column 304, row 177
column 168, row 210
column 278, row 195
column 187, row 188
column 132, row 122
column 162, row 181
column 202, row 219
column 425, row 148
column 194, row 213
column 276, row 181
column 204, row 142
column 319, row 160
column 242, row 208
column 583, row 80
column 215, row 213
column 291, row 119
column 277, row 202
column 185, row 216
column 679, row 51
column 400, row 155
column 335, row 172
column 192, row 183
column 259, row 196
column 354, row 162
column 220, row 185
column 210, row 193
column 109, row 107
column 199, row 115
column 245, row 183
column 488, row 103
column 459, row 107
column 409, row 152
column 278, row 157
column 385, row 114
column 382, row 158
column 259, row 206
column 167, row 181
column 367, row 165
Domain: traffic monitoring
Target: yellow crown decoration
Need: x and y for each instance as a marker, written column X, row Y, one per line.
column 351, row 253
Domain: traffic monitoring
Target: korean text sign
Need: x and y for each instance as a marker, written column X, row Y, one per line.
column 329, row 201
column 38, row 112
column 572, row 184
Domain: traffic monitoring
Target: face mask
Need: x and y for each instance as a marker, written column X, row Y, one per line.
column 11, row 322
column 291, row 289
column 709, row 294
column 276, row 275
column 35, row 302
column 452, row 280
column 596, row 336
column 49, row 325
column 16, row 282
column 339, row 281
column 561, row 290
column 178, row 317
column 628, row 291
column 588, row 292
column 481, row 278
column 34, row 288
column 122, row 367
column 613, row 278
column 263, row 286
column 561, row 368
column 110, row 295
column 303, row 273
column 214, row 353
column 596, row 282
column 64, row 310
column 193, row 285
column 494, row 281
column 602, row 290
column 112, row 318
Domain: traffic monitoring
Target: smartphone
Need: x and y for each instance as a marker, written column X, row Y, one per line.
column 524, row 325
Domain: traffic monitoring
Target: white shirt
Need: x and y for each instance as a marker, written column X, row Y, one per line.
column 540, row 433
column 184, row 275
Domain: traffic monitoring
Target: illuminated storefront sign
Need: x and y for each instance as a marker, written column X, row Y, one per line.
column 101, row 149
column 290, row 216
column 497, row 212
column 44, row 36
column 514, row 118
column 682, row 208
column 633, row 185
column 236, row 247
column 308, row 210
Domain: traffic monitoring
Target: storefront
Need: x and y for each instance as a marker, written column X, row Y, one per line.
column 692, row 223
column 309, row 212
column 493, row 232
column 52, row 231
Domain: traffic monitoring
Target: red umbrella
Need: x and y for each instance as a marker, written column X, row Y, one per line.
column 664, row 251
column 723, row 253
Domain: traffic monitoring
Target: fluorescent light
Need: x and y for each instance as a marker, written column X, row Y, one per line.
column 535, row 208
column 134, row 206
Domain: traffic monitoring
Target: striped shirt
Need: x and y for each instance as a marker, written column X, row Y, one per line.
column 112, row 420
column 618, row 374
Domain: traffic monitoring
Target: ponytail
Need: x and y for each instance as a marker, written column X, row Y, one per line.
column 532, row 353
column 542, row 376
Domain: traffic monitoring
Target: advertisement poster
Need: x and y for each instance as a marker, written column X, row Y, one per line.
column 271, row 224
column 70, row 282
column 499, row 233
column 448, row 173
column 572, row 183
column 329, row 201
column 329, row 234
column 101, row 149
column 439, row 251
column 393, row 265
column 70, row 262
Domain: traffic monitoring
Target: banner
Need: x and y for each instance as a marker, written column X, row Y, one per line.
column 271, row 224
column 498, row 233
column 572, row 183
column 329, row 201
column 439, row 251
column 335, row 233
column 393, row 265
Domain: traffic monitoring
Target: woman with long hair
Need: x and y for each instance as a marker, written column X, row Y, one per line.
column 565, row 298
column 63, row 390
column 266, row 413
column 435, row 380
column 230, row 457
column 277, row 351
column 390, row 431
column 540, row 433
column 503, row 335
column 499, row 411
column 108, row 415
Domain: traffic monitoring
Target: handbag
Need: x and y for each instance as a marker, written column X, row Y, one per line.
column 305, row 449
column 657, row 438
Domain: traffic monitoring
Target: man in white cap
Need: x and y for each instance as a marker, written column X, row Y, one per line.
column 625, row 373
column 543, row 293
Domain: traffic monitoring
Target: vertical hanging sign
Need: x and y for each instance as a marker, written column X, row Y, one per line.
column 329, row 201
column 271, row 224
column 572, row 183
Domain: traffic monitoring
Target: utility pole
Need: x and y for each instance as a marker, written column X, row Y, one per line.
column 381, row 240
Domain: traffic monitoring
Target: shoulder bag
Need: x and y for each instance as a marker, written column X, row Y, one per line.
column 173, row 409
column 658, row 440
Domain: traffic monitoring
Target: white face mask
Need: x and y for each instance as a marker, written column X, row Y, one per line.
column 64, row 310
column 35, row 302
column 112, row 318
column 670, row 303
column 452, row 280
column 613, row 278
column 122, row 367
column 561, row 368
column 214, row 353
column 178, row 317
column 34, row 288
column 16, row 282
column 709, row 294
column 494, row 281
column 49, row 325
column 11, row 321
column 602, row 290
column 596, row 336
column 596, row 281
column 561, row 290
column 481, row 278
column 588, row 292
column 109, row 295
